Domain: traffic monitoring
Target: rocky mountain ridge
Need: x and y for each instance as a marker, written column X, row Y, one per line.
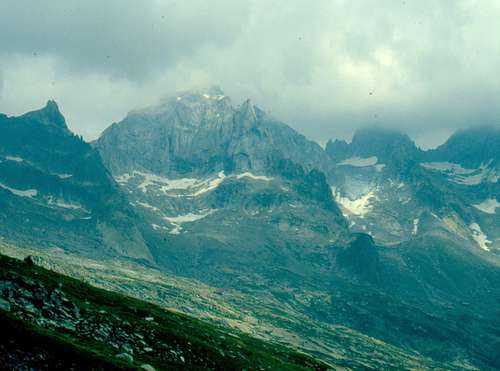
column 378, row 235
column 55, row 191
column 387, row 186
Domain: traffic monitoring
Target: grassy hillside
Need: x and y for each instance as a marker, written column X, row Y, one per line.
column 261, row 315
column 63, row 323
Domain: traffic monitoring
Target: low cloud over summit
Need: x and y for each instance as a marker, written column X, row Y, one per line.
column 324, row 67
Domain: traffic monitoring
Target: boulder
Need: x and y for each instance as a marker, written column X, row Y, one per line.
column 4, row 305
column 126, row 357
column 126, row 348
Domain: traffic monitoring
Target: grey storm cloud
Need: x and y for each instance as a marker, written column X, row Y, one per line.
column 128, row 39
column 325, row 67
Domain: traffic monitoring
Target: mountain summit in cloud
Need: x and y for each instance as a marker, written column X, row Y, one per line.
column 203, row 132
column 419, row 68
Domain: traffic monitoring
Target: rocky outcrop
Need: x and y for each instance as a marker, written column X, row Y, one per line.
column 55, row 190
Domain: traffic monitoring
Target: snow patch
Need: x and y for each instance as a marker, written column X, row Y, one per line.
column 29, row 193
column 212, row 184
column 359, row 206
column 415, row 226
column 253, row 176
column 359, row 161
column 179, row 184
column 147, row 206
column 14, row 158
column 488, row 206
column 65, row 205
column 157, row 227
column 449, row 167
column 165, row 185
column 188, row 218
column 63, row 176
column 152, row 179
column 460, row 175
column 177, row 221
column 480, row 238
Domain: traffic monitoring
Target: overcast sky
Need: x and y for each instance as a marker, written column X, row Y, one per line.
column 324, row 67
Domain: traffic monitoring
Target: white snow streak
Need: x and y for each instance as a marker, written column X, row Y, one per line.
column 64, row 176
column 14, row 158
column 177, row 221
column 460, row 175
column 359, row 161
column 178, row 187
column 415, row 226
column 211, row 185
column 253, row 176
column 480, row 238
column 21, row 193
column 488, row 206
column 147, row 206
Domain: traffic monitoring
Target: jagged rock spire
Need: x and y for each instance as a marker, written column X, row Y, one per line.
column 49, row 115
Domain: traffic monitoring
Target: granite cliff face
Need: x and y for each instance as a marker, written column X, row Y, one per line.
column 222, row 188
column 201, row 133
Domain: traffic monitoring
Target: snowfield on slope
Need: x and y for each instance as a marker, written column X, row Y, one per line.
column 478, row 236
column 359, row 206
column 182, row 187
column 178, row 220
column 488, row 206
column 359, row 161
column 29, row 193
column 460, row 175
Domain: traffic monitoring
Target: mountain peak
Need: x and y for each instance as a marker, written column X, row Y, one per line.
column 386, row 144
column 380, row 133
column 375, row 140
column 211, row 92
column 52, row 105
column 470, row 147
column 48, row 115
column 246, row 113
column 194, row 98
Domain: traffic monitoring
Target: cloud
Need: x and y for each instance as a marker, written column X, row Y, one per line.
column 128, row 39
column 325, row 67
